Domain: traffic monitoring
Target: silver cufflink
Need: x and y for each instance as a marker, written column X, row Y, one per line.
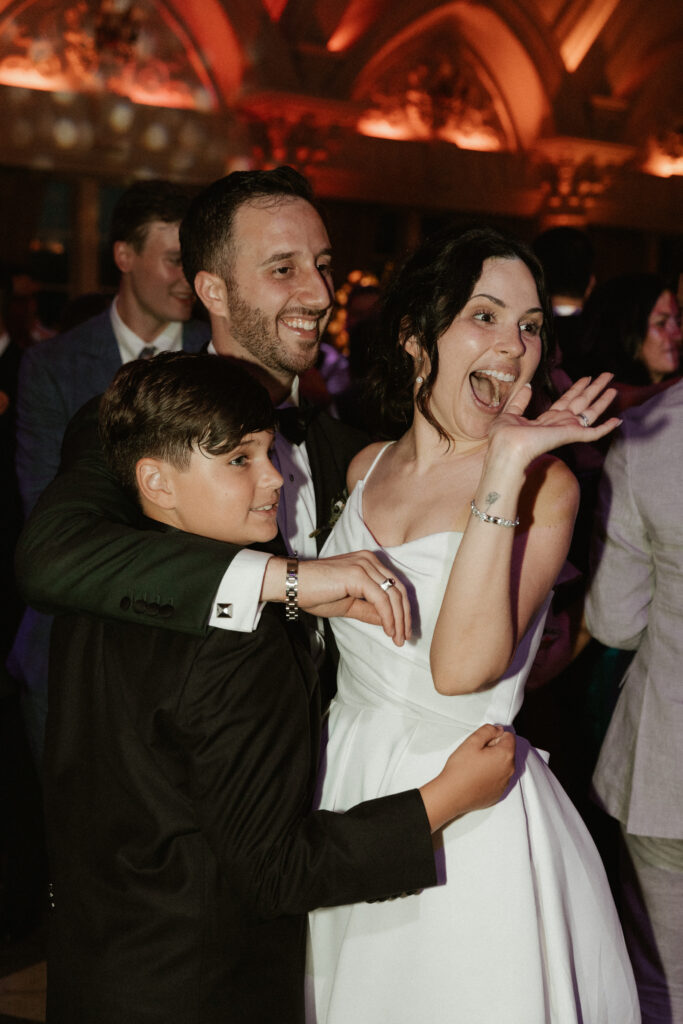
column 223, row 611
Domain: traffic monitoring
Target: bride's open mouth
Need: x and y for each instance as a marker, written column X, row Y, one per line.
column 491, row 388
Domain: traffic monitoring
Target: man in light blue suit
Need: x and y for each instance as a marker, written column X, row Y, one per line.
column 150, row 313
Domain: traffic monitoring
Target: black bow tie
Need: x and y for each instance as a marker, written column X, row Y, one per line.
column 293, row 422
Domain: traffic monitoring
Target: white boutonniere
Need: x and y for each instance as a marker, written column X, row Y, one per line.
column 336, row 509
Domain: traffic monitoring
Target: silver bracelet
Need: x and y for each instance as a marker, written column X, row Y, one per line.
column 496, row 520
column 292, row 590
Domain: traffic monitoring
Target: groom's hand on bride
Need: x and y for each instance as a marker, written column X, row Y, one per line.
column 350, row 585
column 475, row 776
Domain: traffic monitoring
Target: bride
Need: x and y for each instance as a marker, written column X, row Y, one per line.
column 473, row 516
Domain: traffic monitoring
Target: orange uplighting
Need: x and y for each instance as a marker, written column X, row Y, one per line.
column 275, row 8
column 357, row 17
column 147, row 70
column 503, row 70
column 172, row 97
column 30, row 78
column 663, row 166
column 483, row 142
column 381, row 128
column 580, row 38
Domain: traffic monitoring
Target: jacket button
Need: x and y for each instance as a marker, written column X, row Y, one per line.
column 152, row 608
column 139, row 606
column 165, row 611
column 124, row 604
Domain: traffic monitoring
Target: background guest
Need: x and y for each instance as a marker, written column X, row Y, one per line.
column 150, row 313
column 631, row 327
column 635, row 602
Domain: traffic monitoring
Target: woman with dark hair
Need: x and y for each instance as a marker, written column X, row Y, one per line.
column 471, row 514
column 632, row 327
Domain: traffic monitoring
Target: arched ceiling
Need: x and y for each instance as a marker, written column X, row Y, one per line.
column 577, row 92
column 155, row 52
column 462, row 65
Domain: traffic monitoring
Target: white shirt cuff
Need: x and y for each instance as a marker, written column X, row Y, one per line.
column 237, row 605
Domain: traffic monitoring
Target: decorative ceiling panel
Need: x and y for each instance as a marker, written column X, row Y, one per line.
column 137, row 49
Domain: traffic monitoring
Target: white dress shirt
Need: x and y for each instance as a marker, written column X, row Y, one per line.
column 130, row 345
column 237, row 604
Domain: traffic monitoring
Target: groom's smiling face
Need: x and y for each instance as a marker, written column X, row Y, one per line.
column 279, row 288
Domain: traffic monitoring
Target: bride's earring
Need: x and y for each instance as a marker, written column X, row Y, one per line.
column 419, row 380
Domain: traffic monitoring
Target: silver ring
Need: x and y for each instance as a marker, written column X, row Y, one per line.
column 388, row 583
column 584, row 419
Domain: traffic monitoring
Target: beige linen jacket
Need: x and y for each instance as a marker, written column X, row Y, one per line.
column 635, row 602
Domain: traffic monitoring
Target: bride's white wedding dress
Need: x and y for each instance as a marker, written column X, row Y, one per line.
column 522, row 929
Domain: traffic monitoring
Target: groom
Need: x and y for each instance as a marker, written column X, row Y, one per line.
column 257, row 252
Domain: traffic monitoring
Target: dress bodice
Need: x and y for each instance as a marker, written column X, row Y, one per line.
column 373, row 671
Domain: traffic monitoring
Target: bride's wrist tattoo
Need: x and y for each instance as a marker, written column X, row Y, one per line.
column 486, row 517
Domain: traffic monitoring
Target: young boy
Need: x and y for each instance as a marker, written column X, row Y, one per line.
column 179, row 770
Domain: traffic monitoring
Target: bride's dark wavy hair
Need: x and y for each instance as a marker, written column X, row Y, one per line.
column 421, row 301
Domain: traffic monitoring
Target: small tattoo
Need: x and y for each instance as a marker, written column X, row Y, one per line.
column 491, row 498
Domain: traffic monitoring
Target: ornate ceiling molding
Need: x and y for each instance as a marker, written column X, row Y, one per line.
column 435, row 88
column 469, row 69
column 305, row 132
column 574, row 174
column 145, row 50
column 192, row 88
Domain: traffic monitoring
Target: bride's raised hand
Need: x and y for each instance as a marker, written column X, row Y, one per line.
column 570, row 419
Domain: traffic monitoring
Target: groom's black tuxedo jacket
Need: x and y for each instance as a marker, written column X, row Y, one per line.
column 79, row 552
column 179, row 772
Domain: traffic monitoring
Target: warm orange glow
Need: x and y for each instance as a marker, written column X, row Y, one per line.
column 583, row 33
column 381, row 128
column 509, row 66
column 275, row 8
column 216, row 41
column 170, row 97
column 483, row 142
column 30, row 78
column 69, row 61
column 342, row 38
column 357, row 18
column 663, row 166
column 503, row 66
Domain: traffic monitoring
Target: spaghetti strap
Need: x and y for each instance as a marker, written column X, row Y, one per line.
column 376, row 459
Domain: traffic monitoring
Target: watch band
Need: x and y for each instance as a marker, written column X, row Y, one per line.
column 292, row 590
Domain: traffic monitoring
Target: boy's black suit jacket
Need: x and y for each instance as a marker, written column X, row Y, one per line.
column 179, row 772
column 80, row 549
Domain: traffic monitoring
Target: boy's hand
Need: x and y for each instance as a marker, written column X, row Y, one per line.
column 348, row 585
column 474, row 776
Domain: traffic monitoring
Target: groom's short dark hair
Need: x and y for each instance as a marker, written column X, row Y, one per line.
column 206, row 228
